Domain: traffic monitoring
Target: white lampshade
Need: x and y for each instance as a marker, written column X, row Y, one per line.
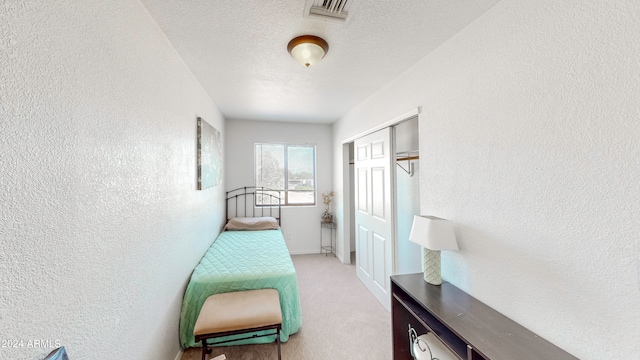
column 308, row 49
column 433, row 233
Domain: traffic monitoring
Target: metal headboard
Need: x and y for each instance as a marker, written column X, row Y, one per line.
column 242, row 202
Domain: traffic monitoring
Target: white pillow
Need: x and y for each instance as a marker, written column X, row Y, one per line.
column 252, row 223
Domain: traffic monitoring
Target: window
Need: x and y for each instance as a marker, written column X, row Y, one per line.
column 290, row 170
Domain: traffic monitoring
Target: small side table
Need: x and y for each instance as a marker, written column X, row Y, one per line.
column 331, row 248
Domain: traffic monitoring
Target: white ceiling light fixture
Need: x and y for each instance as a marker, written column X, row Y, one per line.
column 308, row 49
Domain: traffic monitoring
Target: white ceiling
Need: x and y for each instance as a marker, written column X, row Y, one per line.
column 237, row 49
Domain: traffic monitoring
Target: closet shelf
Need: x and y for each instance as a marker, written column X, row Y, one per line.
column 409, row 157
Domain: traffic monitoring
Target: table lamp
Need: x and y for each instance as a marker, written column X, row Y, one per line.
column 433, row 234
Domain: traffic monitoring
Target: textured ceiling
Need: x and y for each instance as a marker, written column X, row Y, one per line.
column 237, row 49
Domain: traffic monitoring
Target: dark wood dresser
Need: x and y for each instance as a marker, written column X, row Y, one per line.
column 468, row 327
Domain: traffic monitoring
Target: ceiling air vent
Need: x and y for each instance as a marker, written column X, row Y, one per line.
column 332, row 10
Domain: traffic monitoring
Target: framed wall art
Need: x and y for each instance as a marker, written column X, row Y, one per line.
column 209, row 155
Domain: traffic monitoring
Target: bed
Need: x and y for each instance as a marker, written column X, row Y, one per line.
column 245, row 260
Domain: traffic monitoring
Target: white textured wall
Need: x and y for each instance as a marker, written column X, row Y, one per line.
column 300, row 224
column 529, row 143
column 101, row 222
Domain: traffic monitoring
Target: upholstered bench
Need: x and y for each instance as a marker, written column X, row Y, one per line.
column 236, row 313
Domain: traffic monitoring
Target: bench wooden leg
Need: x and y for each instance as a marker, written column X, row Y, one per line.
column 204, row 349
column 278, row 340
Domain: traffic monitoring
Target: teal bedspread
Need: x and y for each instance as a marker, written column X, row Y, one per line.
column 243, row 260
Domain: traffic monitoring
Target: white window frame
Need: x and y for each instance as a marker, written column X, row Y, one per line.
column 284, row 193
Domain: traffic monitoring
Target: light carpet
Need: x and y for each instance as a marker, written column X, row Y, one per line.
column 341, row 319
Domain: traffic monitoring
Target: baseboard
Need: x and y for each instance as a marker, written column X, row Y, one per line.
column 179, row 356
column 304, row 252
